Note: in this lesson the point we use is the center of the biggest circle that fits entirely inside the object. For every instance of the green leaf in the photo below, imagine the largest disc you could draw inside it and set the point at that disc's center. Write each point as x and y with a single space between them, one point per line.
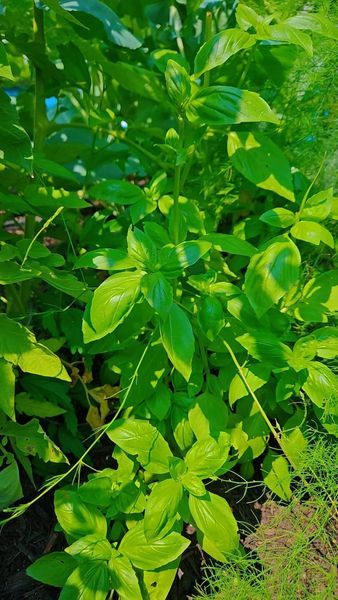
160 402
206 457
319 206
178 340
321 386
208 415
115 31
266 347
141 439
178 83
107 259
151 555
174 259
158 583
115 191
223 105
7 379
76 518
89 581
31 439
36 408
158 293
124 579
320 296
210 317
256 375
10 486
213 517
220 48
276 475
160 515
261 161
141 248
271 273
193 484
315 22
92 547
230 244
52 569
246 17
113 301
278 217
314 233
283 32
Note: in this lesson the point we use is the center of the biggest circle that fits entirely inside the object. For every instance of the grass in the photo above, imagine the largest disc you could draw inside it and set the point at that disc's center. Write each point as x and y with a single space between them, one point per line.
293 550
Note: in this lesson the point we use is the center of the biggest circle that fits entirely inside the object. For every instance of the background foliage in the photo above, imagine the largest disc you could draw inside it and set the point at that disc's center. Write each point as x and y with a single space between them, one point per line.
167 263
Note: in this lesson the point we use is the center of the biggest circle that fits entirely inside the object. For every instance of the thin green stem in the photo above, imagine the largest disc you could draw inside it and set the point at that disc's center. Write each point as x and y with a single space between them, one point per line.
276 435
43 228
307 193
207 36
177 188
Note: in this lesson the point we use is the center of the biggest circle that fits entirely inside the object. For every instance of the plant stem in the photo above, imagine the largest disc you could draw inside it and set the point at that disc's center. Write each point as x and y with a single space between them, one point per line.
207 36
177 188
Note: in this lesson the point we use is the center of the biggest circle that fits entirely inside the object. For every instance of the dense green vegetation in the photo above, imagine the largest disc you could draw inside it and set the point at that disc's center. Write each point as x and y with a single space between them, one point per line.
167 276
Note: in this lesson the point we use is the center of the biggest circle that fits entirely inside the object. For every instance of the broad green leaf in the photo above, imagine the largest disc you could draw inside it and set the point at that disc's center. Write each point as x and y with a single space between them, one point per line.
7 379
42 166
223 105
77 518
115 191
65 282
315 22
319 206
220 48
265 347
158 583
141 248
285 33
10 272
208 415
89 581
52 569
141 439
151 555
61 12
97 491
107 259
230 244
115 31
178 340
91 546
10 486
320 296
193 484
213 517
113 301
31 440
322 387
160 515
312 232
36 408
158 293
256 375
160 402
123 578
278 217
276 475
261 161
210 317
326 341
178 83
148 83
174 259
206 457
271 273
246 17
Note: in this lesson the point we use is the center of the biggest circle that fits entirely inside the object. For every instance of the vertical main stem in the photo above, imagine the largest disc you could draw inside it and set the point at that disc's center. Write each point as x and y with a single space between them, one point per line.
207 36
177 188
39 125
